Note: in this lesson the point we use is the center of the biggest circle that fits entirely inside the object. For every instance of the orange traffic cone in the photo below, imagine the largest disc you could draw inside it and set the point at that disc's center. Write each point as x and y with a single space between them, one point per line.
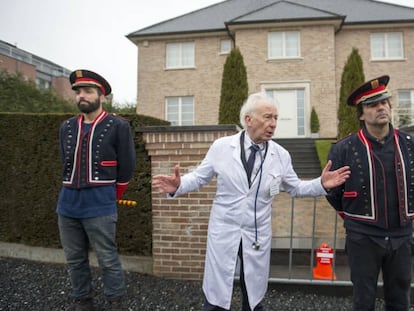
324 258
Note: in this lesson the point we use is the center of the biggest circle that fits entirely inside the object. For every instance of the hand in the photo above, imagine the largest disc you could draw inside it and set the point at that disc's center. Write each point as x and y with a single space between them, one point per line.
332 179
120 189
167 184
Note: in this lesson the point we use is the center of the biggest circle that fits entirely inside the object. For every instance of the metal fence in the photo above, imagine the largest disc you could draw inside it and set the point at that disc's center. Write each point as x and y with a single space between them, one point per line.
300 227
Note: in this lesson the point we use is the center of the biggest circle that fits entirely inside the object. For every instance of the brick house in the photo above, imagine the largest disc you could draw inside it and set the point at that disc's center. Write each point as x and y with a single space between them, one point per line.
295 50
44 73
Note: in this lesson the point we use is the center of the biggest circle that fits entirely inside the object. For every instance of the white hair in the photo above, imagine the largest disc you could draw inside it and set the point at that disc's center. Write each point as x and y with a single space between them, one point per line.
249 107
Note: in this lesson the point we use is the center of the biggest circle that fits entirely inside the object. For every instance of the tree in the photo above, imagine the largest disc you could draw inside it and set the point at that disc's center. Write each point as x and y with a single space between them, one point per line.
314 124
20 95
352 77
234 88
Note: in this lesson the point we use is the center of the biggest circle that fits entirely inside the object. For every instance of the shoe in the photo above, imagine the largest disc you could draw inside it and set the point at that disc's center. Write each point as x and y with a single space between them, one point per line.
83 305
113 305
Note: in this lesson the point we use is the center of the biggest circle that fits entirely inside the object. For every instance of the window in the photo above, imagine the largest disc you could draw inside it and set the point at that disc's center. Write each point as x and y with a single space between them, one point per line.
284 44
180 55
405 108
225 46
387 45
180 110
43 84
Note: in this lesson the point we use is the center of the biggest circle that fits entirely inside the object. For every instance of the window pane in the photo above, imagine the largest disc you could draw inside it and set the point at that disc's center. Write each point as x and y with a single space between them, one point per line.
187 55
292 44
225 46
300 97
172 110
187 110
404 99
173 55
275 45
405 108
394 45
377 46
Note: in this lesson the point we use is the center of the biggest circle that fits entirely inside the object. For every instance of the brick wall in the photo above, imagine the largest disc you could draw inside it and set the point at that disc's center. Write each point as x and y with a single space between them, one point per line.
180 225
13 65
155 82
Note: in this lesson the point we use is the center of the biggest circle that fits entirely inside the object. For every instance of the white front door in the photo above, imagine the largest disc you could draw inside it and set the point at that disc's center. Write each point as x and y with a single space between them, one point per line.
290 122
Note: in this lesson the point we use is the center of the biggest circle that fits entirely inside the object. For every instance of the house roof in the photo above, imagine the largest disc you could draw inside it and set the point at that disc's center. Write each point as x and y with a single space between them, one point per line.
215 17
277 11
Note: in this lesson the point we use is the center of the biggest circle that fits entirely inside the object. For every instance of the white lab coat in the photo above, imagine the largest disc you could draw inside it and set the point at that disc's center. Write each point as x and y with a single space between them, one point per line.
232 215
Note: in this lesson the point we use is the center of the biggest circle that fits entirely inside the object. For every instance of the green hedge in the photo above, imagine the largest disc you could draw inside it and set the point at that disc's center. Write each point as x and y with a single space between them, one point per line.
30 171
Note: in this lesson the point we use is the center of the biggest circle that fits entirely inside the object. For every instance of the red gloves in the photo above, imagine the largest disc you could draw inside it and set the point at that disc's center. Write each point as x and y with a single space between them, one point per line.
120 189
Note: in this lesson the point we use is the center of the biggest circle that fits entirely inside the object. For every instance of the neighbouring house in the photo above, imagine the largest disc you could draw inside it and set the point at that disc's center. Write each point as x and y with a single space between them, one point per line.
44 73
295 50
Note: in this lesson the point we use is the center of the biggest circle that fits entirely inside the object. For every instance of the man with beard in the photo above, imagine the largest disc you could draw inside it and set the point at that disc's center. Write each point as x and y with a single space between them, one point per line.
376 202
98 157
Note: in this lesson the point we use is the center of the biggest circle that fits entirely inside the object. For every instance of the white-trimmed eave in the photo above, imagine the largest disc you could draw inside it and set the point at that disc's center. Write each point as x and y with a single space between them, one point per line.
337 23
178 36
379 25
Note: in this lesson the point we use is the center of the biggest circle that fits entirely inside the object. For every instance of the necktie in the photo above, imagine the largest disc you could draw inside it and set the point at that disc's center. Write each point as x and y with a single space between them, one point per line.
252 157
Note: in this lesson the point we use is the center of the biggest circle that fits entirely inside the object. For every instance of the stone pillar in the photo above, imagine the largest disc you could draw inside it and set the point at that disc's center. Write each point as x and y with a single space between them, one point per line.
180 225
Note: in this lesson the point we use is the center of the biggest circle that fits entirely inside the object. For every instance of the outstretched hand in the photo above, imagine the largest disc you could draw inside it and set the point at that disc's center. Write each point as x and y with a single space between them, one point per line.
166 183
332 179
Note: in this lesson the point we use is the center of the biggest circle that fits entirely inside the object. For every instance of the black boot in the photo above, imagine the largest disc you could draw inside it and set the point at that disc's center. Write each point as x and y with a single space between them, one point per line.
83 304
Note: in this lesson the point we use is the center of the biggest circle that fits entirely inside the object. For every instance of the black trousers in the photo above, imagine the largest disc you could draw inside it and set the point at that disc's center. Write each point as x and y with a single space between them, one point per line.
245 299
366 259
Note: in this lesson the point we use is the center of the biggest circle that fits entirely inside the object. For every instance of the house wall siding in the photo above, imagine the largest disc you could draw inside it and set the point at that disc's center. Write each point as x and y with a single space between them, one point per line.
203 82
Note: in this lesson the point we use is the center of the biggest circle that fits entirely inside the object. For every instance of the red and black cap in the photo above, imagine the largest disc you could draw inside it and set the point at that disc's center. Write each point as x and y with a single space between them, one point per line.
370 92
82 77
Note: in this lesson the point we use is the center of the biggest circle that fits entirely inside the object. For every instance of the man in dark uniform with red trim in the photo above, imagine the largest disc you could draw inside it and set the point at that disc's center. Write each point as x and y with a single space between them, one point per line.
98 157
376 202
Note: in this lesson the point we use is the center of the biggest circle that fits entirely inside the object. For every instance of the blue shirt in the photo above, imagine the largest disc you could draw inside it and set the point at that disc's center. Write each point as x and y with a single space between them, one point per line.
87 202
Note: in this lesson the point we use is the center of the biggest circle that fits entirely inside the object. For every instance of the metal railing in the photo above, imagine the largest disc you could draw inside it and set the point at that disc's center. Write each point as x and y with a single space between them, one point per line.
288 272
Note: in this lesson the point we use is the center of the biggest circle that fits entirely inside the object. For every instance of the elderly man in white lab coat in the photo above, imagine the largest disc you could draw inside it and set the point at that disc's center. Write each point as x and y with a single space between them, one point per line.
240 218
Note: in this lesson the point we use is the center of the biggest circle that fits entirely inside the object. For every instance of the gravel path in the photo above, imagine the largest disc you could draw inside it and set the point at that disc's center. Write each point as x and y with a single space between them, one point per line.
28 285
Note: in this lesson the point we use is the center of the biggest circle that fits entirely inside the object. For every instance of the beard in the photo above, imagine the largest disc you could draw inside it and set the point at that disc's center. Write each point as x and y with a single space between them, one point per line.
87 106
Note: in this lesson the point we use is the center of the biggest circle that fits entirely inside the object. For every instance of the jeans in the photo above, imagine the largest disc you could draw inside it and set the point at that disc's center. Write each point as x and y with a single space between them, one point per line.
76 234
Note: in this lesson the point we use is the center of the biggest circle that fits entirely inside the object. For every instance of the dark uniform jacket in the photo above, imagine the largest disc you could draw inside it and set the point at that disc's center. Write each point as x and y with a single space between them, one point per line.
363 197
104 155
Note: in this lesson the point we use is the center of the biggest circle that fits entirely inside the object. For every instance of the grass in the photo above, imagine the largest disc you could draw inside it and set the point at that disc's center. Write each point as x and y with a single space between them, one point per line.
322 147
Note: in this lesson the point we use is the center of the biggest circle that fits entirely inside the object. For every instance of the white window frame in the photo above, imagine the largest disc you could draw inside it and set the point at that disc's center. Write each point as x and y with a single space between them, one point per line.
387 46
180 55
283 39
183 117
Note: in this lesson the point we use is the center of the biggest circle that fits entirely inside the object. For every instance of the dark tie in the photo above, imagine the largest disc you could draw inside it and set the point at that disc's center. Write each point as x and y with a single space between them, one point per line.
252 157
